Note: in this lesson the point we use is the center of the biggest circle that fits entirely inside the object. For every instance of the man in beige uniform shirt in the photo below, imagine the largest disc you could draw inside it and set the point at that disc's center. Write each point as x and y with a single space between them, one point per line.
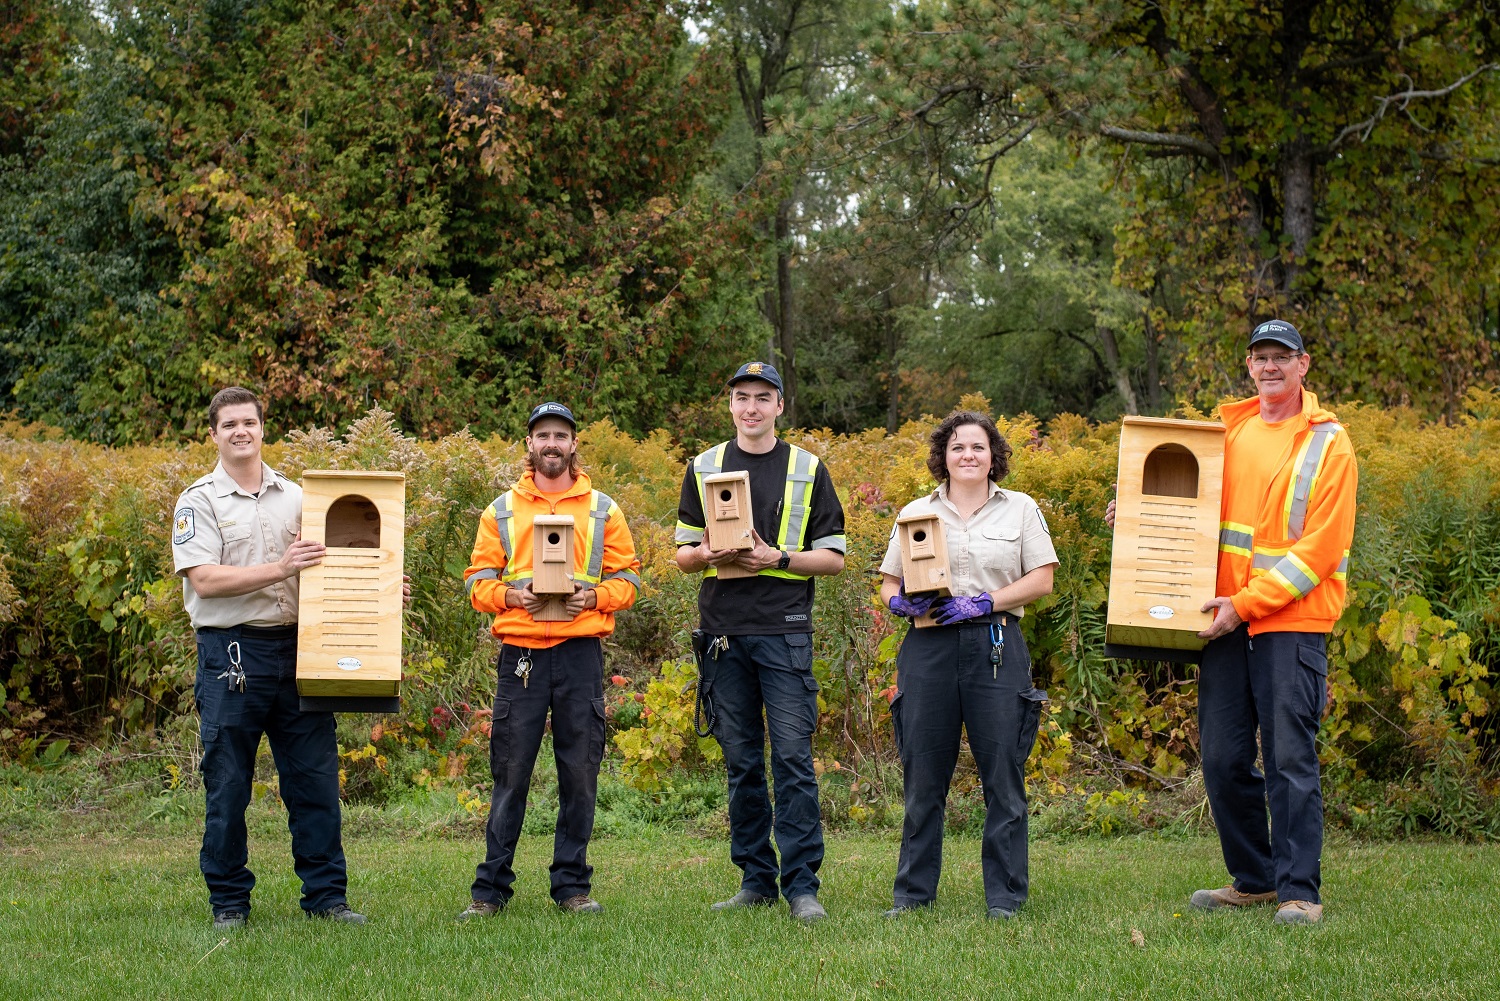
236 543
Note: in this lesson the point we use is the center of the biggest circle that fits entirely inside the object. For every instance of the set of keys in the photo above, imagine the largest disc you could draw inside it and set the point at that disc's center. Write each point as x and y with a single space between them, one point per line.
523 670
235 673
997 648
718 645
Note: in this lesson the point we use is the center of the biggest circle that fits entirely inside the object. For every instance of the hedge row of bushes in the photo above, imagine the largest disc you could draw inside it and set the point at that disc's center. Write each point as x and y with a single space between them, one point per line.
94 641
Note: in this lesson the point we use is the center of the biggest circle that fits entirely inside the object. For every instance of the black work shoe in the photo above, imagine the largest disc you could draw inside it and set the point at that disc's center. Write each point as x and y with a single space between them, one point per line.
901 909
581 904
340 913
225 920
807 909
745 898
1000 914
480 909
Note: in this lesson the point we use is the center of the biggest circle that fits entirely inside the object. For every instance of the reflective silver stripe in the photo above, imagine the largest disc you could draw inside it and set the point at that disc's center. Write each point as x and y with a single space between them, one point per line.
501 508
624 575
1288 570
830 542
599 515
1263 562
486 574
1302 480
1343 568
1235 540
519 581
799 484
686 536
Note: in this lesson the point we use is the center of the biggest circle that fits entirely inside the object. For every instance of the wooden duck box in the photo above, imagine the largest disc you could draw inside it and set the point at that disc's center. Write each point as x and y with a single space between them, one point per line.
726 498
349 616
924 558
552 564
1166 543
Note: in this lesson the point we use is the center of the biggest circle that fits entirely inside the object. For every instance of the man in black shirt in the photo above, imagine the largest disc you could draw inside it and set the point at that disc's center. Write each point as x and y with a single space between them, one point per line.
760 625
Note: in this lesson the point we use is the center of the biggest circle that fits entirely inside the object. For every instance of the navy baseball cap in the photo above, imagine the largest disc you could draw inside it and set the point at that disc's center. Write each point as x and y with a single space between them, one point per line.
551 410
1280 331
764 371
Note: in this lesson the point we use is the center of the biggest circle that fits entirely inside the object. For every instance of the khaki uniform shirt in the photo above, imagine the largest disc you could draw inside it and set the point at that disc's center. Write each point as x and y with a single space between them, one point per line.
1002 542
218 523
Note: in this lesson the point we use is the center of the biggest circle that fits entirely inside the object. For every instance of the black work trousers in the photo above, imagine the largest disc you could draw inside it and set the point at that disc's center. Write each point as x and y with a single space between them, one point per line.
1275 683
946 683
568 681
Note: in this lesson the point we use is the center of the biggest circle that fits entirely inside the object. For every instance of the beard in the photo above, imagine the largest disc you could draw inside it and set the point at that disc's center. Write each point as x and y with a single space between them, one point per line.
550 461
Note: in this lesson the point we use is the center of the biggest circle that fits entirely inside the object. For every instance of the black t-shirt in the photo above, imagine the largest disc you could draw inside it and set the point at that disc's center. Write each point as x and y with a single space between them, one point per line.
762 605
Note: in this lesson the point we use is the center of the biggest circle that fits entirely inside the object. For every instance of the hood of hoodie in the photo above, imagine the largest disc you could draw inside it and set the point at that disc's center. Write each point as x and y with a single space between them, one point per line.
1239 411
527 485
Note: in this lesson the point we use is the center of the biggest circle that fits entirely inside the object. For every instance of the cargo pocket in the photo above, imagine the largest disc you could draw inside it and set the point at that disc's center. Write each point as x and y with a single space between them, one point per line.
1031 717
896 710
500 739
799 645
1316 661
596 733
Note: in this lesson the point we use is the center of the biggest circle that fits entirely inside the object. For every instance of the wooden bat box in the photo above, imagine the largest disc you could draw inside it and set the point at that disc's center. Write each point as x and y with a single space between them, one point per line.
1166 544
349 617
924 558
552 564
726 498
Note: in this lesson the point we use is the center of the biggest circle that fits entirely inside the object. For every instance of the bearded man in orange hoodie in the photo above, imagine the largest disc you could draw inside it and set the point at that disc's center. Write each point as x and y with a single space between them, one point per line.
1286 523
548 665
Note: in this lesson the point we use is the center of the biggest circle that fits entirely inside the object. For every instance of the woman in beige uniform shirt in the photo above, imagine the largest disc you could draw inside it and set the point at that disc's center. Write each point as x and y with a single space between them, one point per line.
972 670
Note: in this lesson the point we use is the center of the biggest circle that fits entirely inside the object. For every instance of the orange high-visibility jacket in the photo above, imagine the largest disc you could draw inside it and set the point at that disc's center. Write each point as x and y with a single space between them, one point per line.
603 558
1284 557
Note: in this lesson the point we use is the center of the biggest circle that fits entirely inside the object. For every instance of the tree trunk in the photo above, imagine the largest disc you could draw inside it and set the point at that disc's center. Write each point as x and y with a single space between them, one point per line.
893 367
786 333
1116 370
1296 205
1153 368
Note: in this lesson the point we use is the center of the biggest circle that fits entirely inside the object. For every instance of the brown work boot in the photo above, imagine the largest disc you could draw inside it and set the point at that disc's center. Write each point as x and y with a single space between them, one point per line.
581 904
480 909
1298 912
1228 896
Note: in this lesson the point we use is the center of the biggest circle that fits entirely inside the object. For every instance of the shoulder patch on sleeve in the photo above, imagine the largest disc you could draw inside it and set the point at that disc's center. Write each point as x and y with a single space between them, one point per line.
184 526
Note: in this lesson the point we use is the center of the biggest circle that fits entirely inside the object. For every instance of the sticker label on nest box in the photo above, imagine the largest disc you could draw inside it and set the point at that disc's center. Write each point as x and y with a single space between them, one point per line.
1155 611
353 664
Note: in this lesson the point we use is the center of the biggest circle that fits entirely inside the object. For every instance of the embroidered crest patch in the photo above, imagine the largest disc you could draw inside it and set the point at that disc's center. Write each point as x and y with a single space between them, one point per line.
183 527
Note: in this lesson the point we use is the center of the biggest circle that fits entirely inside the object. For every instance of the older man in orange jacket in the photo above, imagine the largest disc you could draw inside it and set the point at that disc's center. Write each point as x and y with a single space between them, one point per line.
556 665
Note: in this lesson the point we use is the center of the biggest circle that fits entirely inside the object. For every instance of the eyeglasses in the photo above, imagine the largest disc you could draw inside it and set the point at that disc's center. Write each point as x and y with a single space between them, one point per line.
1280 360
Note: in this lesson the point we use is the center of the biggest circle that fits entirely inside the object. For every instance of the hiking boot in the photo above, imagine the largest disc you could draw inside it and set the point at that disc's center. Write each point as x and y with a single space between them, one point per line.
480 909
1228 896
225 920
340 913
806 908
1298 912
581 904
745 898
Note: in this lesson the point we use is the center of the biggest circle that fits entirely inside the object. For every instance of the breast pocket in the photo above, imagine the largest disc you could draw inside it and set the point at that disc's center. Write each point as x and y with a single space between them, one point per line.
235 541
1001 550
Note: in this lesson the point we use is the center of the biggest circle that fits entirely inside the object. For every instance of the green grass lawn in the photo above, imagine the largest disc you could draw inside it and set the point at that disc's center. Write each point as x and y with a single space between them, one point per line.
94 914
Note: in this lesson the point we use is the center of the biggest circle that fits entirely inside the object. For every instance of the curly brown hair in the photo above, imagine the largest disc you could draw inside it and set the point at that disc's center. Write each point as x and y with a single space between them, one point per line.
937 453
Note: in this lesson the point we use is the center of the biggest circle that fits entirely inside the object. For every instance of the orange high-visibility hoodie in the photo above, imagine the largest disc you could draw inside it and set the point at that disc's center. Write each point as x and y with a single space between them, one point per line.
1284 553
493 569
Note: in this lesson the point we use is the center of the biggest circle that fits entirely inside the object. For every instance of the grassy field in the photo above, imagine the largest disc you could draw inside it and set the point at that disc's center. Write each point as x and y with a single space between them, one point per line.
94 914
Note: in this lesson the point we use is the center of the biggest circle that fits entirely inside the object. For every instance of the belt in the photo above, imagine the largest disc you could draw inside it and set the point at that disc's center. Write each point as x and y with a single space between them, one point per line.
259 632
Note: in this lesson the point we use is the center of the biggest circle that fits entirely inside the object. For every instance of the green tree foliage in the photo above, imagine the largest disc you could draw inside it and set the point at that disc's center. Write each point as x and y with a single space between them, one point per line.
455 208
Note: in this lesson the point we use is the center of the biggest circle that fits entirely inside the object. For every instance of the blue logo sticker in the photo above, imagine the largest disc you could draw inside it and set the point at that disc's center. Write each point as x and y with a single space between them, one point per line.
184 526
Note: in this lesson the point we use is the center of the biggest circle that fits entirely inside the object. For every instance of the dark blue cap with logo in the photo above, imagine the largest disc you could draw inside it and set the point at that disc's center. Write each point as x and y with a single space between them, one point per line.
764 371
1279 331
551 410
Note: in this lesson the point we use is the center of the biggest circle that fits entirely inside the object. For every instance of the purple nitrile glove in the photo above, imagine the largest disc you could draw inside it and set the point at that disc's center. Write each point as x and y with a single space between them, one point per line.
905 604
946 611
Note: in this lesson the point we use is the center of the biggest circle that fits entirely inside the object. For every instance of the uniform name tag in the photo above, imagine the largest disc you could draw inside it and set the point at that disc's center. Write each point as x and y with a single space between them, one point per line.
184 526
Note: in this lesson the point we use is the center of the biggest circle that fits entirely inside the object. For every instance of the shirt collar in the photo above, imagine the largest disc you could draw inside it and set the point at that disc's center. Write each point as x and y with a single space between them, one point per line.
941 494
224 483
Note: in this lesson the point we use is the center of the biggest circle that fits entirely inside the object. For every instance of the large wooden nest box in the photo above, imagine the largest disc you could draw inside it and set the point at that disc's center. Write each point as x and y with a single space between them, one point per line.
726 498
924 558
1166 545
552 564
349 617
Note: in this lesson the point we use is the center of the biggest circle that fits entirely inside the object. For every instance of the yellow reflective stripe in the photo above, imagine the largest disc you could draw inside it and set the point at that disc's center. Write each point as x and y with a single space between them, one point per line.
1285 519
594 540
1342 573
1305 478
1294 575
1234 538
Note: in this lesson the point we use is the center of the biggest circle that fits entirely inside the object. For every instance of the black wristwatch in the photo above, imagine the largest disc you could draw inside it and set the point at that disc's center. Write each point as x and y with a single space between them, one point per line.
784 562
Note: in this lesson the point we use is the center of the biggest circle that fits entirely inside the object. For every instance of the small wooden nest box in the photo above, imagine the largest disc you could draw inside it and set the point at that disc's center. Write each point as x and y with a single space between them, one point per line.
1166 545
349 616
726 498
924 558
552 564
